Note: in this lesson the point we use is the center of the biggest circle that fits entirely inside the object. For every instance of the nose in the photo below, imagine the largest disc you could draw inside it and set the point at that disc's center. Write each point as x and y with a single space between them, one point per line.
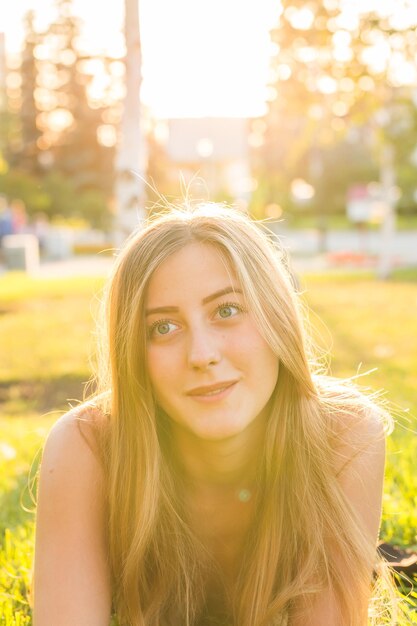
203 349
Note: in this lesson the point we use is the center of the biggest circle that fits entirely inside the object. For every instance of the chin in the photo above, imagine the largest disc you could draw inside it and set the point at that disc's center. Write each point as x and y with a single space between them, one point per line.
218 432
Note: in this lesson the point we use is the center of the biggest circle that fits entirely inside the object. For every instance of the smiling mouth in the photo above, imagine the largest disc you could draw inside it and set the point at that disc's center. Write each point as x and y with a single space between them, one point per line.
211 390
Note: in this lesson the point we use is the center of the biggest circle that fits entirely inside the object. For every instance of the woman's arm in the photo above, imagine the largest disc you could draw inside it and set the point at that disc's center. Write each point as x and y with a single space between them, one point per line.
360 472
71 573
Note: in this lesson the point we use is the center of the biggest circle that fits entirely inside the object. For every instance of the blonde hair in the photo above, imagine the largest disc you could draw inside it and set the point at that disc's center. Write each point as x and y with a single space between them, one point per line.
302 518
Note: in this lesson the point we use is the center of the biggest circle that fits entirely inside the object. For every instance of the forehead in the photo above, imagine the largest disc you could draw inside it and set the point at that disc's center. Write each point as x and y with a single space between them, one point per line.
197 269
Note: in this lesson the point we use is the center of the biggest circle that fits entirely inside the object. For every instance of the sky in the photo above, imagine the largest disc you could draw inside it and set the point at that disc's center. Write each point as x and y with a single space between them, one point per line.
200 57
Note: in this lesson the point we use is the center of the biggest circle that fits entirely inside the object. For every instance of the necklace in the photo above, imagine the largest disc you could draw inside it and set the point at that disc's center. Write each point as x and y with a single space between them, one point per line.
243 495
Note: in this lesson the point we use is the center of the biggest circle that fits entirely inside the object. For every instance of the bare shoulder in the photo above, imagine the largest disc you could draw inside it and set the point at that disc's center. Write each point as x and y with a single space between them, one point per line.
72 474
360 464
71 574
358 428
72 445
87 414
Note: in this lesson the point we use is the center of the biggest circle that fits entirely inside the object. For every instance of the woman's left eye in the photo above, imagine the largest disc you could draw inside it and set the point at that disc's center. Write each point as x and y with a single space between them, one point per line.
228 310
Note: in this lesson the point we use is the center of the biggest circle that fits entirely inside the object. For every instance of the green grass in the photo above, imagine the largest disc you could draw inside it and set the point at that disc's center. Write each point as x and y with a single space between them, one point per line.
46 334
369 325
339 221
21 441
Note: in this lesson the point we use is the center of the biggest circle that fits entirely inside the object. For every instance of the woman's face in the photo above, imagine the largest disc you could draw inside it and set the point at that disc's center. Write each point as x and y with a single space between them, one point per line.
211 370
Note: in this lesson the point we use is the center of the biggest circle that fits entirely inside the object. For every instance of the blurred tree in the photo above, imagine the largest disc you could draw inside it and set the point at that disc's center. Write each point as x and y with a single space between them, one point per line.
27 155
397 124
7 121
398 128
58 138
56 195
15 183
70 124
334 72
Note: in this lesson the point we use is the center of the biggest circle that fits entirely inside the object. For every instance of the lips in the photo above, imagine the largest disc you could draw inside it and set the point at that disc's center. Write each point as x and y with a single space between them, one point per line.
211 390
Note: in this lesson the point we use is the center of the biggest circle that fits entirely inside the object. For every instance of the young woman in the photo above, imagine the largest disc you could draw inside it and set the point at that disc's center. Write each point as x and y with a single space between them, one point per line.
216 478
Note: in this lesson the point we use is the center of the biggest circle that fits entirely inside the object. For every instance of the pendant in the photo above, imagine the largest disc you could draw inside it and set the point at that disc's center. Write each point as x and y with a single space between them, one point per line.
244 495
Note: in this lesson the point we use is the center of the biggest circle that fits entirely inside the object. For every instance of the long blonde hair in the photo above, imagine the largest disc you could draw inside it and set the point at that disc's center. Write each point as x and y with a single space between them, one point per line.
302 518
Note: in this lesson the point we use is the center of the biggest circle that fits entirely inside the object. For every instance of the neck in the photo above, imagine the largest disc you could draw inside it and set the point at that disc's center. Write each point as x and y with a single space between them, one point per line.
226 463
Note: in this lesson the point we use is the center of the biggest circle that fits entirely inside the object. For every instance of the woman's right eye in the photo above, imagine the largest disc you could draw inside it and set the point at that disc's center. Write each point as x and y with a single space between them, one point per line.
161 328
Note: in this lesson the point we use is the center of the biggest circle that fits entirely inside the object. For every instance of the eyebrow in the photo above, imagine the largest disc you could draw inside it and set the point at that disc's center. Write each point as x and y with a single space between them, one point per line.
206 300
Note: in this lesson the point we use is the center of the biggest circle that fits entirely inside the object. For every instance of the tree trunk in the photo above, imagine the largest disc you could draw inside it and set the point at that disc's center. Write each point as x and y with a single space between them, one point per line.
132 153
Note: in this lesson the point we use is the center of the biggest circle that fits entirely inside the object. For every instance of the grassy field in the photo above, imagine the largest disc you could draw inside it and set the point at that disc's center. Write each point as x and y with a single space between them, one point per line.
46 336
372 326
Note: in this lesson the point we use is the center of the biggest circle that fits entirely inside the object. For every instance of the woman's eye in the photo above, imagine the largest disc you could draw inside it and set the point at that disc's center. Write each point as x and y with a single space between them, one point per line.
228 310
160 329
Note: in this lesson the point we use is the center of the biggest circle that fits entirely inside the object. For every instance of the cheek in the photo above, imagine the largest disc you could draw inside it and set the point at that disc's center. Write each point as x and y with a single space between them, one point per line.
156 367
254 348
163 368
262 361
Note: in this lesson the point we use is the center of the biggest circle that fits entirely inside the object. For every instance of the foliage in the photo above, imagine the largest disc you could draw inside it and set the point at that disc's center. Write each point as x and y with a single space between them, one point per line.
9 132
18 184
402 132
57 195
28 151
56 158
336 92
68 123
341 163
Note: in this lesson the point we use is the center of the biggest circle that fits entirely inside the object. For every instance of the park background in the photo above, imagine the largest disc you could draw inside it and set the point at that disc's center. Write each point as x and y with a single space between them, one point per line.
302 113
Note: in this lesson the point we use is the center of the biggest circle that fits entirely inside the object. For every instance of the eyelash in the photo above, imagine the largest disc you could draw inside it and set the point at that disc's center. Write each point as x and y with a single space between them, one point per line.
155 324
223 305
